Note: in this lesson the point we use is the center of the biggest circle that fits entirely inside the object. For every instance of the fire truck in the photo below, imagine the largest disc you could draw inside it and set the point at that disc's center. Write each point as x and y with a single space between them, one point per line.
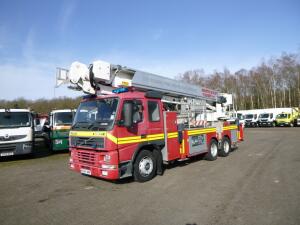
132 122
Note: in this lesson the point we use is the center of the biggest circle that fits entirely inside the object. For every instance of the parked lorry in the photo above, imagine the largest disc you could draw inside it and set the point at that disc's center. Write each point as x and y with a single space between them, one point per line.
266 120
131 122
16 132
58 129
288 118
251 120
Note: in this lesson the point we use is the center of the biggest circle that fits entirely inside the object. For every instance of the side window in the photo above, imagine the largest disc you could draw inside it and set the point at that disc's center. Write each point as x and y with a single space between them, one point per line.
138 112
153 111
271 115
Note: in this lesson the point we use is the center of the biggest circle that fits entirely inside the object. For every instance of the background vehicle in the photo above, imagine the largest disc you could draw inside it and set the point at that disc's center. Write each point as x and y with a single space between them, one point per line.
131 131
266 120
16 132
251 120
58 129
288 118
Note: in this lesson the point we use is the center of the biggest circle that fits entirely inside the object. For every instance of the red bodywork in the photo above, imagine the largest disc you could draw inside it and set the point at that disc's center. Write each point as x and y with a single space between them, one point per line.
121 145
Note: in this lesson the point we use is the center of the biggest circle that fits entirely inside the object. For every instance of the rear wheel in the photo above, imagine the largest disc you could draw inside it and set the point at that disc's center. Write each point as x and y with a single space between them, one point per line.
144 166
212 153
225 148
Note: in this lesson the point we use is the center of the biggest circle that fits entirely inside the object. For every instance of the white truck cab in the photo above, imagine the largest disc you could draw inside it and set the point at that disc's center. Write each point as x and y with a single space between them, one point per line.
16 132
251 119
266 120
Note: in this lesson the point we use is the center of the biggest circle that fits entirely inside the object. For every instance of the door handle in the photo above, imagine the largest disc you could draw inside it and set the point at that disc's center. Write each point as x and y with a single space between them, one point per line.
143 135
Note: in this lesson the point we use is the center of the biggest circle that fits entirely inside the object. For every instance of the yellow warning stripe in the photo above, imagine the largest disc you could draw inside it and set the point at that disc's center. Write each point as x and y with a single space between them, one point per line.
138 139
202 131
182 149
233 127
88 133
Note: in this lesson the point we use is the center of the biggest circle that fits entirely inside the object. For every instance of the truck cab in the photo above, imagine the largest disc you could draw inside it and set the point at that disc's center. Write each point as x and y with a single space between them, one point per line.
58 129
16 132
266 120
251 120
286 119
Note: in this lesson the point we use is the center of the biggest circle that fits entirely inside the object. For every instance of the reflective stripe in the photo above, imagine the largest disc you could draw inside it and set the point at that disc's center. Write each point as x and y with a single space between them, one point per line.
173 135
182 149
230 127
138 139
88 133
202 131
112 138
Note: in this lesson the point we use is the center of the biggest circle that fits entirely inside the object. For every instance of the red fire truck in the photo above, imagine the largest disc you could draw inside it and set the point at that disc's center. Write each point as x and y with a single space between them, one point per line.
132 122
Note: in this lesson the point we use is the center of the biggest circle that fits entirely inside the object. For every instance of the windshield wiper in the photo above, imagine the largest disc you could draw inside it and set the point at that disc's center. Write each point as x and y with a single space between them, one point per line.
98 123
76 124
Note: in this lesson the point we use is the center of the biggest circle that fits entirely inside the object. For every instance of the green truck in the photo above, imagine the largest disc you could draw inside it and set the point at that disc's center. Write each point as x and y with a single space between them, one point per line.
58 128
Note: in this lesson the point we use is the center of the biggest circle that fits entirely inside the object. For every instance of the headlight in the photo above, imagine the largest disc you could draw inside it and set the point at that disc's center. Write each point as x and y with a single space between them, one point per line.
27 145
106 158
111 167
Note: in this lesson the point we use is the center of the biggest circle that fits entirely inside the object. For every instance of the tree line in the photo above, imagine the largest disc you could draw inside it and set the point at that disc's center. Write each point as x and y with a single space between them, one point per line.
273 83
42 105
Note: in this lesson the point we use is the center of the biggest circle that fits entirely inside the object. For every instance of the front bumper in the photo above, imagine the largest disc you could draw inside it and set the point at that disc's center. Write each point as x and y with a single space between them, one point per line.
18 148
92 163
283 124
265 124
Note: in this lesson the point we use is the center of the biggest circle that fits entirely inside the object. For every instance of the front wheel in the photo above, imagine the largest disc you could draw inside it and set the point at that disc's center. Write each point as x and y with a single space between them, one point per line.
212 153
144 166
225 148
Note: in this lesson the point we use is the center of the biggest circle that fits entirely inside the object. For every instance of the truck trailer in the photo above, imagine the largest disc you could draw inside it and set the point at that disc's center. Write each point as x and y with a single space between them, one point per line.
132 122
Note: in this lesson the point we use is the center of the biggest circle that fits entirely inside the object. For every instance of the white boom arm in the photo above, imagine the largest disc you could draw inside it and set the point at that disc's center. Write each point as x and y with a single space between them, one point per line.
101 77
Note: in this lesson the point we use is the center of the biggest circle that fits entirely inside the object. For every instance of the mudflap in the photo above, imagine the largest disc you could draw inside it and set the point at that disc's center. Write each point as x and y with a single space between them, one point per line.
159 163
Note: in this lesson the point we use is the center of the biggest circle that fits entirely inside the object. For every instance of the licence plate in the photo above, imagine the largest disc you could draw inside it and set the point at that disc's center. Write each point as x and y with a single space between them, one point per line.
85 171
6 154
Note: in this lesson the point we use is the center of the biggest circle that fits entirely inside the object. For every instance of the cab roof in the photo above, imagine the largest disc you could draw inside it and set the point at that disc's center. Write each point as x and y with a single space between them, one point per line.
15 110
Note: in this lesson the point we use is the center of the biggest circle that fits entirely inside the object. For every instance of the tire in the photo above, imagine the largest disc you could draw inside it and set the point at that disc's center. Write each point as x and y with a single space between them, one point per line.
212 153
291 124
144 168
225 148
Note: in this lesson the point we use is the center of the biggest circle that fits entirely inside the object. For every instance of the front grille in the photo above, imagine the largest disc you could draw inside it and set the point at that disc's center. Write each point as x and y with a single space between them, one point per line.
7 147
88 158
89 142
12 137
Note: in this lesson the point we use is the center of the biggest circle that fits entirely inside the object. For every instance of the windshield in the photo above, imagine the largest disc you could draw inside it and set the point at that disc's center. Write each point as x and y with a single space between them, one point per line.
14 119
240 116
249 116
96 115
264 115
63 118
282 116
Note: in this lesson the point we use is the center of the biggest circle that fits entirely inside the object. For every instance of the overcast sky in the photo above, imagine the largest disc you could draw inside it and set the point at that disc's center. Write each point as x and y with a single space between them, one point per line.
163 37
